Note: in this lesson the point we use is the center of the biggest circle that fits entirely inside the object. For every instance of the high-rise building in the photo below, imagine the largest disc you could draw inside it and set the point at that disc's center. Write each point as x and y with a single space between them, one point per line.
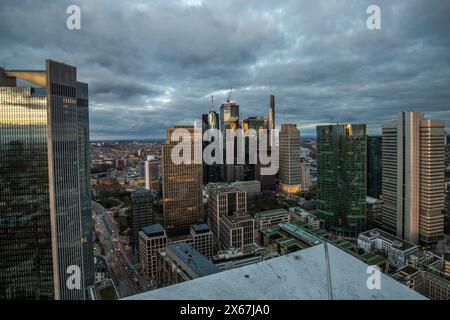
374 167
413 177
224 201
271 118
306 176
211 173
182 186
229 120
251 171
141 214
152 174
45 197
289 173
152 238
341 177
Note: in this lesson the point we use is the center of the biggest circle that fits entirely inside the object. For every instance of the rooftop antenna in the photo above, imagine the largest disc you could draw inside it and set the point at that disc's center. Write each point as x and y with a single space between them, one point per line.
229 96
270 89
212 103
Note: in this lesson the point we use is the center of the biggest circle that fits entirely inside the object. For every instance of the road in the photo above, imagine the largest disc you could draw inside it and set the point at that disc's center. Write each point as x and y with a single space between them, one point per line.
117 253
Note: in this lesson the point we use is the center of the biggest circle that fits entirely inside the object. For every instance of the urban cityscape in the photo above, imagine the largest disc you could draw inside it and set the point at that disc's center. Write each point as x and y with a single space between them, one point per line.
228 199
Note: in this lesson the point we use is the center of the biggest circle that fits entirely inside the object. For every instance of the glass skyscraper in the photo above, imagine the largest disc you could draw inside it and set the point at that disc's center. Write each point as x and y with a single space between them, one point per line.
341 177
45 197
374 167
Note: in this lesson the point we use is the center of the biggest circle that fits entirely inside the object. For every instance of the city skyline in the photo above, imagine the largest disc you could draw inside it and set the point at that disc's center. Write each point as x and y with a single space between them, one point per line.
324 66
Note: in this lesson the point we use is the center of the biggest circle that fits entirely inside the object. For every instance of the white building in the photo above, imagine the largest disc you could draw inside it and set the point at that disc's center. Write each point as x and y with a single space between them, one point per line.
395 249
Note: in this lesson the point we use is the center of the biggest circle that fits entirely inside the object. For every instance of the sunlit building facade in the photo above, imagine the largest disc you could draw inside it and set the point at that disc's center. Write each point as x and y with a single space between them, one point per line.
290 161
413 177
181 185
45 197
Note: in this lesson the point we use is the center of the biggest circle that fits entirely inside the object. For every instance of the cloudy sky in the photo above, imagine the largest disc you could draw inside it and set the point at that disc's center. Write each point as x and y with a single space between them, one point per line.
152 64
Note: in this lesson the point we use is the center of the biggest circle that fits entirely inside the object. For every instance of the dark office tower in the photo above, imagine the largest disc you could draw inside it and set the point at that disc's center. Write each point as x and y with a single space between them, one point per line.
374 167
211 173
271 118
182 188
341 177
229 120
251 171
141 215
45 198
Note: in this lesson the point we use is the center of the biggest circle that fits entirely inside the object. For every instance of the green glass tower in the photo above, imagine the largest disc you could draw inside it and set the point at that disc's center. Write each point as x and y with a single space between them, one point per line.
374 167
341 177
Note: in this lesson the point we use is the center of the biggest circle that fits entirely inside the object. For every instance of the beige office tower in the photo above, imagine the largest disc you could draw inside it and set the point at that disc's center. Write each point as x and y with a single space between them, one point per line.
290 175
413 177
182 184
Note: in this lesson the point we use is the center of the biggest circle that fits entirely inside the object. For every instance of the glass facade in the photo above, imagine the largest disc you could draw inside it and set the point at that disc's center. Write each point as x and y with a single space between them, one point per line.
45 198
341 177
374 167
25 234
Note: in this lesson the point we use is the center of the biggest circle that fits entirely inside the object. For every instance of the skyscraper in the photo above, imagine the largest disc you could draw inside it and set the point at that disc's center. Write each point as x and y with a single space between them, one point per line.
374 167
290 162
152 174
341 177
413 177
229 120
182 187
45 197
210 120
225 201
141 214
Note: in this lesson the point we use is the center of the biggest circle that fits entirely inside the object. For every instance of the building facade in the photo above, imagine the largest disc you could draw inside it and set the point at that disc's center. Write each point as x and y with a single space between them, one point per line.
413 177
180 262
374 167
224 201
45 197
290 162
152 238
182 185
141 214
341 177
152 174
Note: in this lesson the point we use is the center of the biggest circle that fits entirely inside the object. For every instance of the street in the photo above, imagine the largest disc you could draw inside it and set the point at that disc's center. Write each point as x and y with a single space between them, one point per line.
123 267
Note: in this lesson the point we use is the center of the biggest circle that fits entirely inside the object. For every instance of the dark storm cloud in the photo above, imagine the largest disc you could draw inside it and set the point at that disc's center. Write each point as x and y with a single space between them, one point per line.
153 64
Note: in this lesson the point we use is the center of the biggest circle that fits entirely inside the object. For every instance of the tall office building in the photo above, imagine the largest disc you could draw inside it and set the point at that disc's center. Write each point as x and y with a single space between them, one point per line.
141 214
374 167
289 173
152 174
413 177
225 201
341 177
182 187
229 120
251 171
45 197
211 173
271 118
306 176
152 238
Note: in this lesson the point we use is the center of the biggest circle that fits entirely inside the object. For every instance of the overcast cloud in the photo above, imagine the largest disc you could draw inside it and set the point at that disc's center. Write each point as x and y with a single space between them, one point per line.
153 64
